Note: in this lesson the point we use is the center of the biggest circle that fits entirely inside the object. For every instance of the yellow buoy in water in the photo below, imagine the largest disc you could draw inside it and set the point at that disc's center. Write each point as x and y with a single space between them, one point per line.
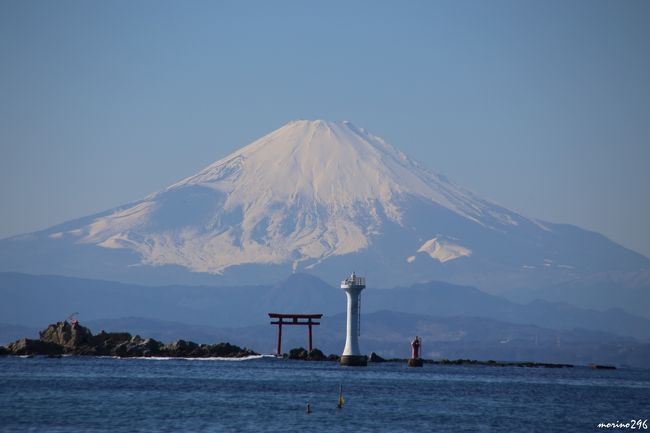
341 399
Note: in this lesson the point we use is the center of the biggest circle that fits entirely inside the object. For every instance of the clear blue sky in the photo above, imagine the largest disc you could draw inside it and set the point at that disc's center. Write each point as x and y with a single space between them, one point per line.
543 106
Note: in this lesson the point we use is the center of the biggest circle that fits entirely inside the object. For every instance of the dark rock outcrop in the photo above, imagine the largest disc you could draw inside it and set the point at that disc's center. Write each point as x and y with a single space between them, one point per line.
492 363
302 354
105 343
67 335
375 358
74 339
298 353
601 367
28 346
189 349
226 350
182 348
4 351
317 355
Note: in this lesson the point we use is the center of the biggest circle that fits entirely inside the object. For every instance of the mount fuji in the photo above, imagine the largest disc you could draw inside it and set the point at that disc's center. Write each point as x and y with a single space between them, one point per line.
323 198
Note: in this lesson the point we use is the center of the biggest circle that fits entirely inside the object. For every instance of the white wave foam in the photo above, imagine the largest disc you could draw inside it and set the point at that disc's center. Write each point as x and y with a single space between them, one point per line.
215 358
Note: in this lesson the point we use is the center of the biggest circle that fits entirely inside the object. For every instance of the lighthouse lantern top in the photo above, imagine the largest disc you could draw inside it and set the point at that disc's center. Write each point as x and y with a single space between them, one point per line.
353 280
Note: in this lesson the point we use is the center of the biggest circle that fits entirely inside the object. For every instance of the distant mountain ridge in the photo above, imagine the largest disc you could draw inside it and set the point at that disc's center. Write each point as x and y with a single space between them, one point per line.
323 198
32 300
630 291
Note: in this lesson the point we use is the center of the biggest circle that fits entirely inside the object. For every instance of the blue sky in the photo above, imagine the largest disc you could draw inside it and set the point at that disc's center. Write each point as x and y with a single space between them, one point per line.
541 106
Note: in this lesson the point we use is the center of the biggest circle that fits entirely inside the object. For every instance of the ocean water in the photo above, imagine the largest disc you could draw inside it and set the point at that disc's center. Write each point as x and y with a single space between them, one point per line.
74 394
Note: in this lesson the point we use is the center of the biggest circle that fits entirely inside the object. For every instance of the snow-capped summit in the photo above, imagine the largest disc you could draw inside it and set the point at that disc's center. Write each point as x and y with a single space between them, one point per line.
334 164
318 196
303 193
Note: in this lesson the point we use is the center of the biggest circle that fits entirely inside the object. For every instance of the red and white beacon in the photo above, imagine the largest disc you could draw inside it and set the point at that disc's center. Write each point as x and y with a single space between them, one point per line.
415 360
415 347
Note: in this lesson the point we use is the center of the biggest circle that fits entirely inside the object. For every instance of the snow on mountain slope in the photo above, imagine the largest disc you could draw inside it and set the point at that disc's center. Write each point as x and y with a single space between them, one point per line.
442 250
319 197
307 191
336 165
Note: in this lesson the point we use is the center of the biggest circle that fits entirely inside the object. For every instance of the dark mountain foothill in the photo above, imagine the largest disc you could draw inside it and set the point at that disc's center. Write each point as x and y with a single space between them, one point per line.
75 339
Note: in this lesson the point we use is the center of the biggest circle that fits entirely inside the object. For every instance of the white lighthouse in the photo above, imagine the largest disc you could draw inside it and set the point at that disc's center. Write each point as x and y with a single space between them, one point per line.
352 356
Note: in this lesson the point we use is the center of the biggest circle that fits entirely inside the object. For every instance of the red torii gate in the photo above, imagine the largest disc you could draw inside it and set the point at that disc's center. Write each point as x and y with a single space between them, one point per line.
293 319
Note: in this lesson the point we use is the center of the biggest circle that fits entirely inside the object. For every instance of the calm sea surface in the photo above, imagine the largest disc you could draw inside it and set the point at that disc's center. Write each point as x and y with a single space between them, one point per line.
137 395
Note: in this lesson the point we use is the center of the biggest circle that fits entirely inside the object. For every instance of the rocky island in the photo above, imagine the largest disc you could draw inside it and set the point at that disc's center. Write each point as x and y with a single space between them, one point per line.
64 338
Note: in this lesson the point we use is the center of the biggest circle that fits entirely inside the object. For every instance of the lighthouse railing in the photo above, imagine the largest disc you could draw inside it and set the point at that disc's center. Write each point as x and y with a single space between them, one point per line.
354 281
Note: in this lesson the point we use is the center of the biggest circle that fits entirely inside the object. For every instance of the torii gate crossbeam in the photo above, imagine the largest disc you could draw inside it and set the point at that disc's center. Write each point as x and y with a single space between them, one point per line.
294 319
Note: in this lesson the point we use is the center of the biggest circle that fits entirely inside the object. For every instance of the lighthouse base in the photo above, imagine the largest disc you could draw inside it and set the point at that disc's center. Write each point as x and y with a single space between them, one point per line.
354 360
415 362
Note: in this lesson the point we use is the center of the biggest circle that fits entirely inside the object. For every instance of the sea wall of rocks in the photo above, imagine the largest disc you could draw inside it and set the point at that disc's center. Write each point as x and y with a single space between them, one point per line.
64 338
